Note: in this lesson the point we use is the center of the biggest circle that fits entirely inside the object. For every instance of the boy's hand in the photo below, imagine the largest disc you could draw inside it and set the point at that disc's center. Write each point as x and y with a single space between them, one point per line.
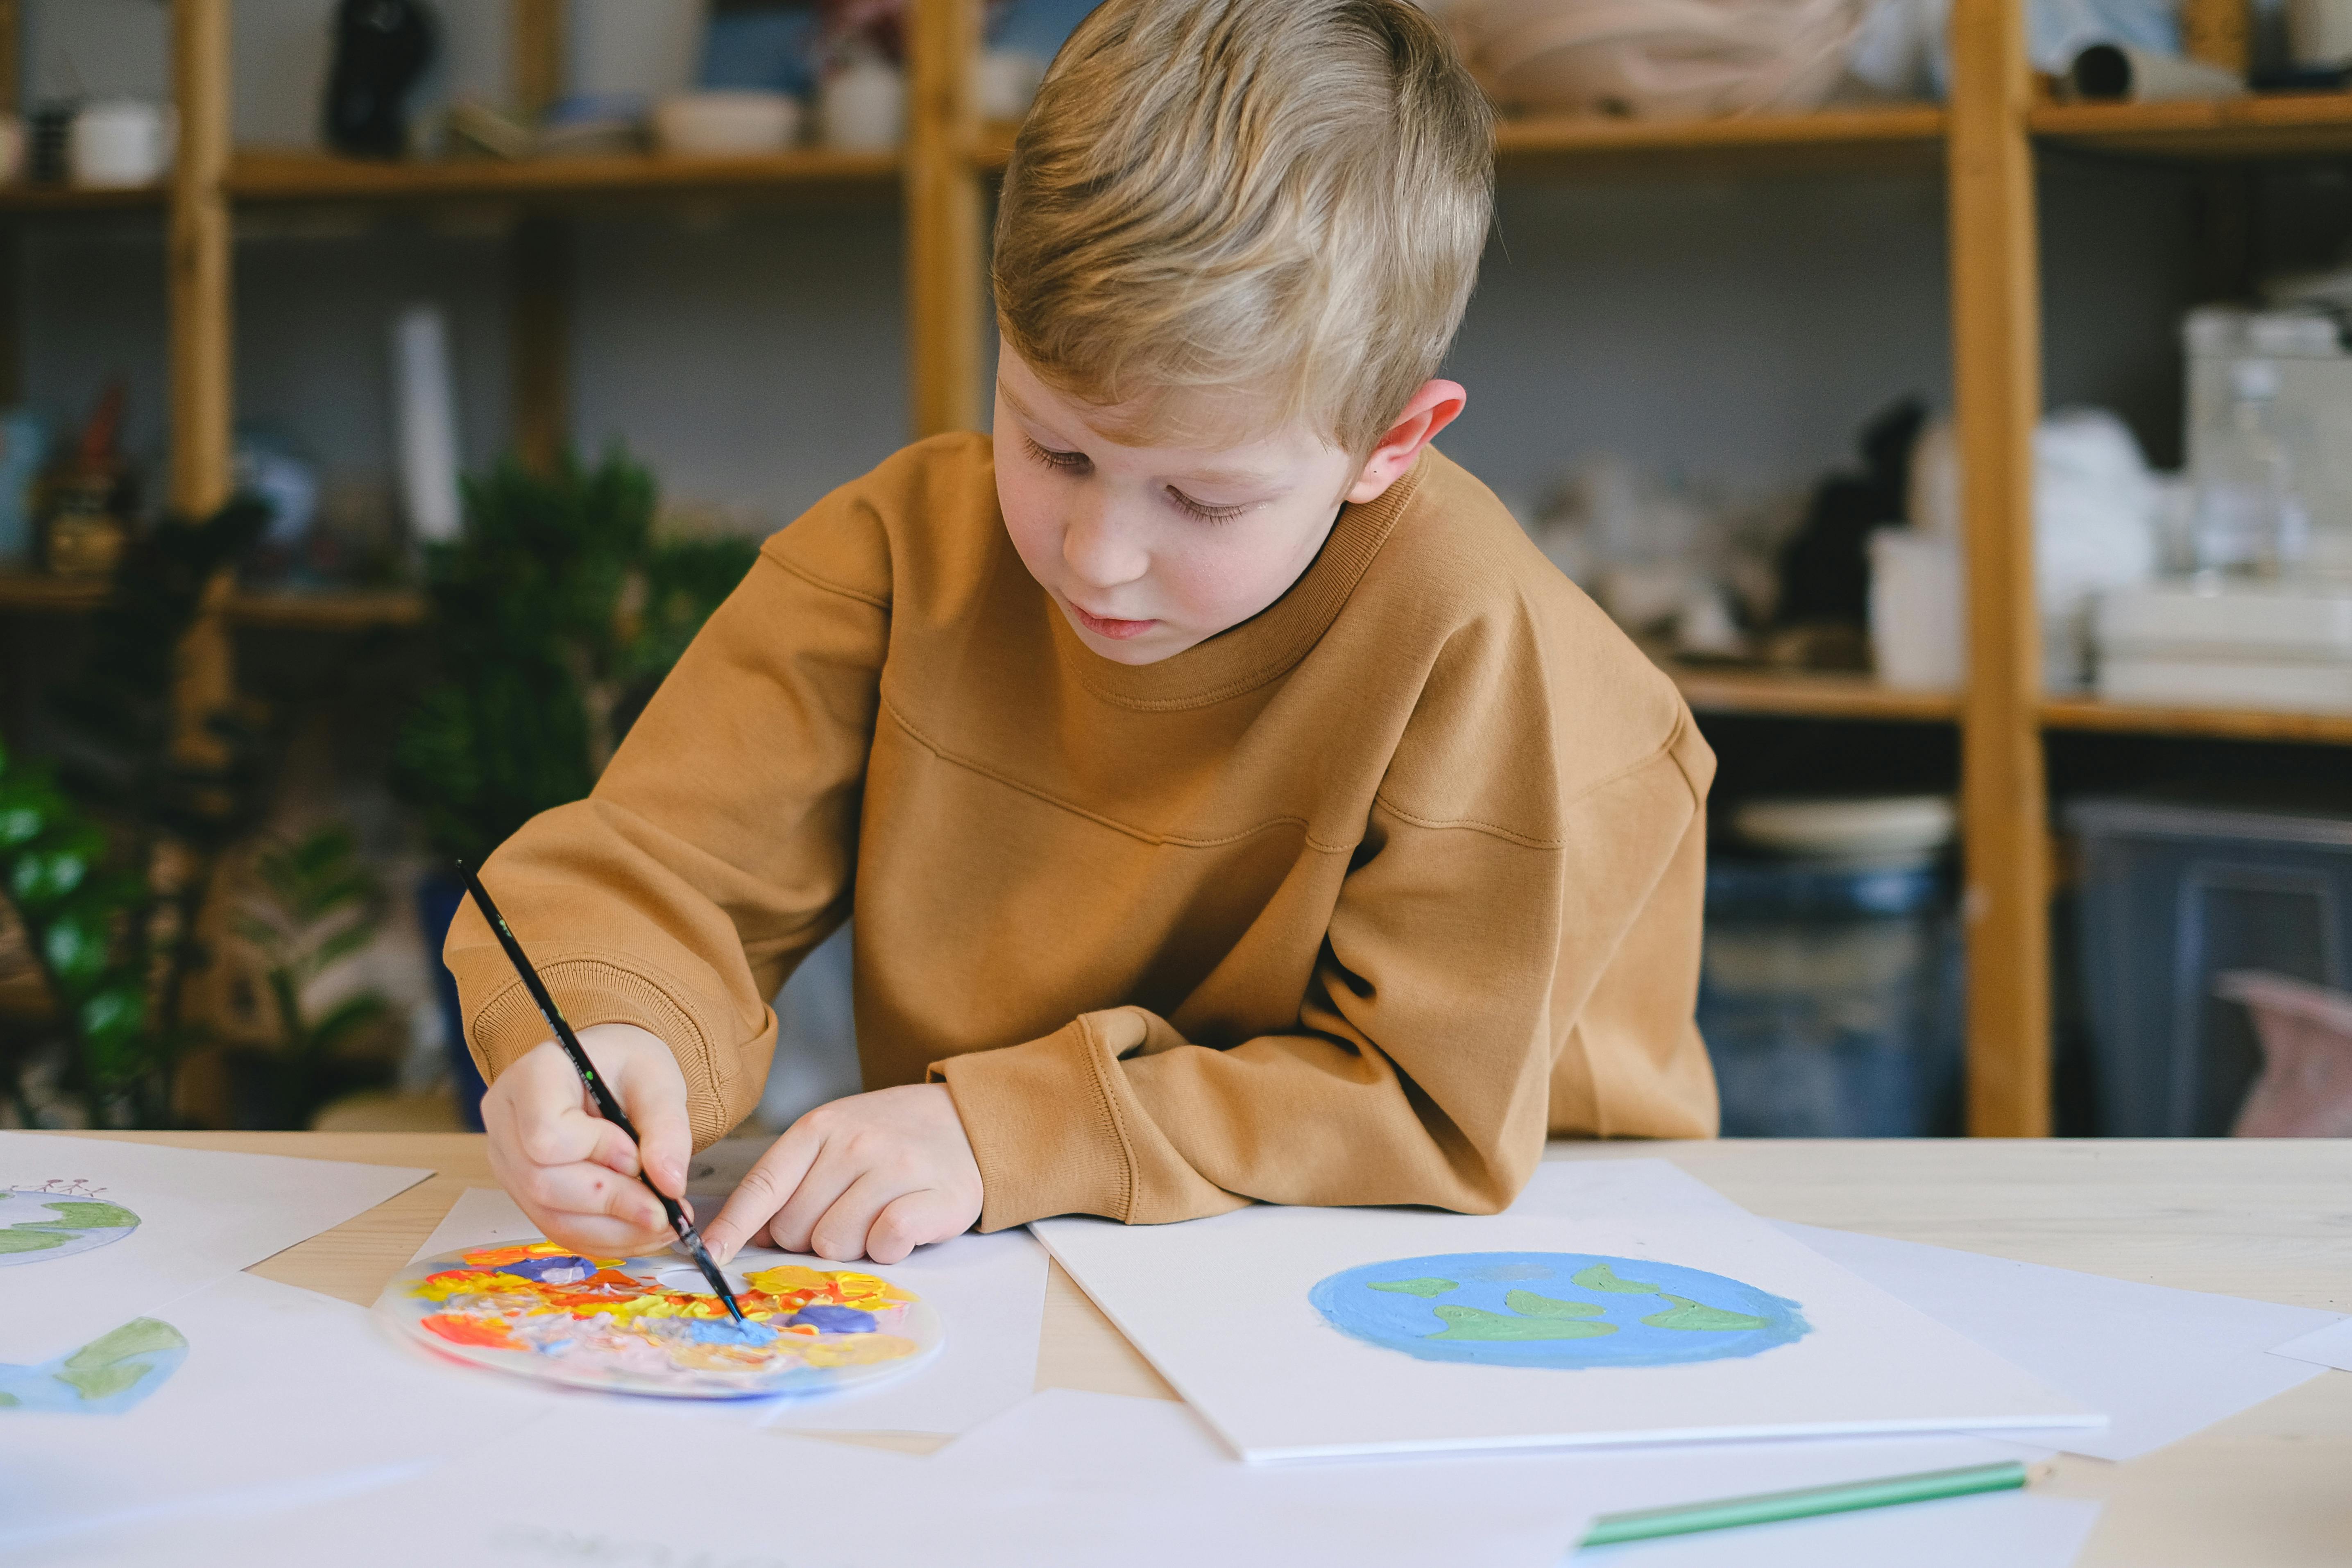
575 1174
874 1175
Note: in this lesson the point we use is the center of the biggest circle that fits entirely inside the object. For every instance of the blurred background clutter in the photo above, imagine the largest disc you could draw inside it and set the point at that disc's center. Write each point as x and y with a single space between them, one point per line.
1994 513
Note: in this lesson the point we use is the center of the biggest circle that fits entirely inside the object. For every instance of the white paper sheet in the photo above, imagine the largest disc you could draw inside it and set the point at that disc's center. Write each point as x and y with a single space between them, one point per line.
1221 1307
2014 1530
593 1489
201 1216
988 1290
283 1392
2329 1346
1064 1481
2162 1362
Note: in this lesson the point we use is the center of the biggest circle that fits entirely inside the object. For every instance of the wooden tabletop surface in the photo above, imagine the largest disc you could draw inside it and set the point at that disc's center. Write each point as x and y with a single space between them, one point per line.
2271 1220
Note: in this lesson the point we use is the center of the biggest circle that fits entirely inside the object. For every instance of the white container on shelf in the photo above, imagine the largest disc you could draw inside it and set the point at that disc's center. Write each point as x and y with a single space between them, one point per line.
1918 604
2226 643
121 143
862 107
726 124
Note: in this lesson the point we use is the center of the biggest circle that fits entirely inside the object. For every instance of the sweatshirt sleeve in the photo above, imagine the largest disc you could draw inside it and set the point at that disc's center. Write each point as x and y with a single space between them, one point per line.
1467 970
716 850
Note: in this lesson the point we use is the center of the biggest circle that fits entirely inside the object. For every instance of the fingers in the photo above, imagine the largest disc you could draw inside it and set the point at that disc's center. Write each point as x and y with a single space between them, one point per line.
840 1232
834 1172
652 1094
771 1180
913 1220
545 1117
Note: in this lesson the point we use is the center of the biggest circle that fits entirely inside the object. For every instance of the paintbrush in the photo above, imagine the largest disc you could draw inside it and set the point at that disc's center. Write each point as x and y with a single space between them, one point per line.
606 1105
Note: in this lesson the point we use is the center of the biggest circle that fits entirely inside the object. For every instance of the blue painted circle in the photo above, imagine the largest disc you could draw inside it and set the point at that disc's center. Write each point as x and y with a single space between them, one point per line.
1480 1285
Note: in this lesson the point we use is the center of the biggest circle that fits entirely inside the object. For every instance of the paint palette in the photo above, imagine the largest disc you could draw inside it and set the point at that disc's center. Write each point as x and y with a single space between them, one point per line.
651 1325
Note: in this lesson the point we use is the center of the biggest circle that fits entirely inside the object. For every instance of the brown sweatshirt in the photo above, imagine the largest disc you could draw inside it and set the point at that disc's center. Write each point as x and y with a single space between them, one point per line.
1350 904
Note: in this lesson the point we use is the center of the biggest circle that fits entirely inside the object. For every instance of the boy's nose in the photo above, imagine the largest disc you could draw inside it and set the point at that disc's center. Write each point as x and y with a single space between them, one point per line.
1100 554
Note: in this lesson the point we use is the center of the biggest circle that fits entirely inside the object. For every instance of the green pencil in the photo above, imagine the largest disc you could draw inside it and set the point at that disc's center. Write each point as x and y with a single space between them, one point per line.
1807 1503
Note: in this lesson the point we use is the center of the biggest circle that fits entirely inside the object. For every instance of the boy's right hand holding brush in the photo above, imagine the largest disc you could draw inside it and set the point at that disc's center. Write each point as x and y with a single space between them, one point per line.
875 1175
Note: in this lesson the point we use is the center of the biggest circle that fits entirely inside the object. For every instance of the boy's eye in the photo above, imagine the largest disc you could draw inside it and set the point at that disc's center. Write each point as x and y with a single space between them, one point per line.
1199 510
1068 461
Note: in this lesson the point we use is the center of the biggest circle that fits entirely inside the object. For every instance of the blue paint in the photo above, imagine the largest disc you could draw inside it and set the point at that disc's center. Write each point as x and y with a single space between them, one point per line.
834 1319
1401 1322
722 1331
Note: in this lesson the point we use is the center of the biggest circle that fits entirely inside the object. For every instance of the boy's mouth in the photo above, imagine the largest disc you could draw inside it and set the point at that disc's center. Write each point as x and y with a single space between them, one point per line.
1104 627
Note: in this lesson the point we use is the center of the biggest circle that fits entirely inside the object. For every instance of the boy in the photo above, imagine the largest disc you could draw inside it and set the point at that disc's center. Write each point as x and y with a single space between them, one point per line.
1230 802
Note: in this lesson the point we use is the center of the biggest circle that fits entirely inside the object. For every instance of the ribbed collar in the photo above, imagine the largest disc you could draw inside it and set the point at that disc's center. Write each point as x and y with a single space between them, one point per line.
1266 647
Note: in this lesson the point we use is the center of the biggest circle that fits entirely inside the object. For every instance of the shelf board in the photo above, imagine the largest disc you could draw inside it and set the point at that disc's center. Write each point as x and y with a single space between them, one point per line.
2210 723
1898 135
2277 125
1806 694
1908 135
30 593
23 198
262 176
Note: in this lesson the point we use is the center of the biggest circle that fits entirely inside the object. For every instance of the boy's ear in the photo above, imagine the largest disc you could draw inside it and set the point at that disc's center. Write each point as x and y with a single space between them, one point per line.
1437 404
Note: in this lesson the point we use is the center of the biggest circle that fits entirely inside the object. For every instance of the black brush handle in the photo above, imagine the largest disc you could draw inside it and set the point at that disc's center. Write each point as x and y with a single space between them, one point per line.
606 1105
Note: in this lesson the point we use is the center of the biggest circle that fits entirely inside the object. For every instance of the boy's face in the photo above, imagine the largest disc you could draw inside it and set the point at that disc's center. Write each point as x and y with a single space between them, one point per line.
1150 550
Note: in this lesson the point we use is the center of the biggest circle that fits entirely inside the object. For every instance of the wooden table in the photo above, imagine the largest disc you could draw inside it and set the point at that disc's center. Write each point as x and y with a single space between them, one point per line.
2270 1220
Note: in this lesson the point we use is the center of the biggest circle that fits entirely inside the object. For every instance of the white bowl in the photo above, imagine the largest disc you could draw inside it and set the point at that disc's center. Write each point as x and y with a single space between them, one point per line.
1854 828
726 124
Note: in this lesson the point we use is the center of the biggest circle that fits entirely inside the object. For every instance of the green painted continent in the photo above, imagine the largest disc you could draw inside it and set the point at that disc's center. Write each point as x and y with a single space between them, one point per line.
104 1365
1422 1286
85 1215
31 1238
1600 1277
1529 1304
1471 1323
1688 1314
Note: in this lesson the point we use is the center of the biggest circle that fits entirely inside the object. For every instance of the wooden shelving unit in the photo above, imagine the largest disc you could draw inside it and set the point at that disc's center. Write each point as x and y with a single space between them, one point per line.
1808 694
1981 145
2287 125
264 176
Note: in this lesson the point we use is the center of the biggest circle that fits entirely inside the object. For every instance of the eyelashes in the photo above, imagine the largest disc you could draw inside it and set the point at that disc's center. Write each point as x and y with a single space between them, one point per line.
1075 462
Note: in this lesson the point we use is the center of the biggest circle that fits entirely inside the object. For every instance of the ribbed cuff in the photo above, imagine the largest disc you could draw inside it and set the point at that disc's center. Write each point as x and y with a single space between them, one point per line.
1044 1124
591 991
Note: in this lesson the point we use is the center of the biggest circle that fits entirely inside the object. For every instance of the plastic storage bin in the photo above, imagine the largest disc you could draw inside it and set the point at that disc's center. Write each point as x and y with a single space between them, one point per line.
1829 998
2173 897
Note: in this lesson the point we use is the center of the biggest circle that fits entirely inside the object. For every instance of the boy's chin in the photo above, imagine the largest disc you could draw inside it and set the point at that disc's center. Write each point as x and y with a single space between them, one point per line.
1161 642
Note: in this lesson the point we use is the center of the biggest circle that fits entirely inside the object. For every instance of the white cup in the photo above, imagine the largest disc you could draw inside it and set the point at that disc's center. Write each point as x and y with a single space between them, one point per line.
862 107
121 142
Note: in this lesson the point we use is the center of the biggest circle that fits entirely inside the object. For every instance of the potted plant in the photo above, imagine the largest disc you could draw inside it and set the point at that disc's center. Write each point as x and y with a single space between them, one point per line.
555 614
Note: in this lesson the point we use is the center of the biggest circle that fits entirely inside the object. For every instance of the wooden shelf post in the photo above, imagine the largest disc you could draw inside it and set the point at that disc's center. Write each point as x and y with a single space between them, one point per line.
1997 395
944 249
203 373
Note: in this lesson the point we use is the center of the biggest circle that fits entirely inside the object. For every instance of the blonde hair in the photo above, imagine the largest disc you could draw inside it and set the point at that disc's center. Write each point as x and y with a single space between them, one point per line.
1285 198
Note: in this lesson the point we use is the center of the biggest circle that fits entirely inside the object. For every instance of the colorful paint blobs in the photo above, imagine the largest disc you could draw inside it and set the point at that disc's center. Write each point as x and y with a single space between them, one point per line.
57 1219
610 1323
1590 1311
105 1377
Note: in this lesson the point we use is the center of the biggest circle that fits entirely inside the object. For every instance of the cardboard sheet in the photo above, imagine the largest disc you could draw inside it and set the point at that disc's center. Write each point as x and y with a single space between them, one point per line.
200 1216
2162 1364
1765 1337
